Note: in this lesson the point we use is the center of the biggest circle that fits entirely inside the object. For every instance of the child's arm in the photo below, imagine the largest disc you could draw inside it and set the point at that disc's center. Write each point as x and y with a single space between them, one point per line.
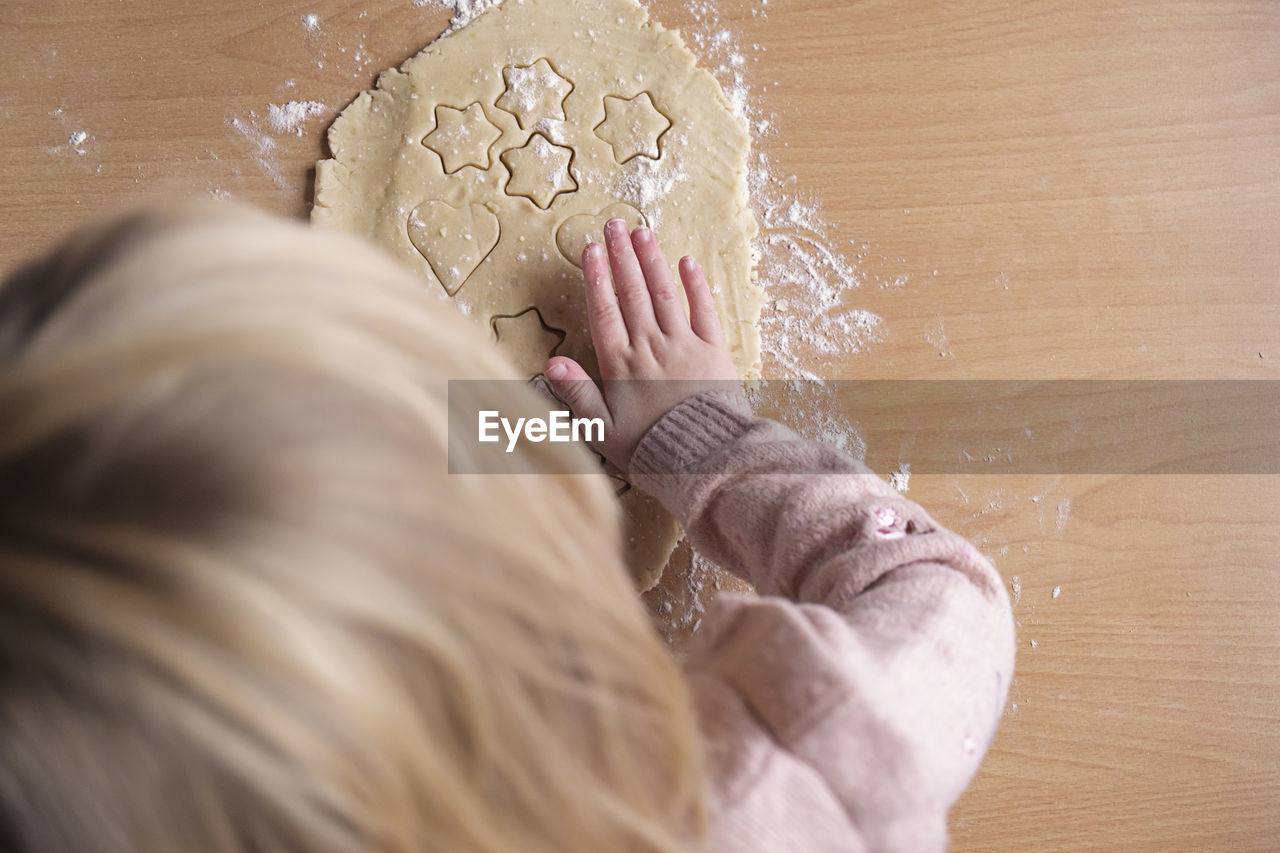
881 652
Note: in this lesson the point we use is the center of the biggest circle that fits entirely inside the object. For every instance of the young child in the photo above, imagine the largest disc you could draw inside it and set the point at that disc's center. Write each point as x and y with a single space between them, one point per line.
244 607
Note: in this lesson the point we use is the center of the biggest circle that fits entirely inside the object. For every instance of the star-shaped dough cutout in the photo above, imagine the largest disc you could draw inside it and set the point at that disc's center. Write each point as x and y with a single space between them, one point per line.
534 92
462 137
632 126
527 340
539 170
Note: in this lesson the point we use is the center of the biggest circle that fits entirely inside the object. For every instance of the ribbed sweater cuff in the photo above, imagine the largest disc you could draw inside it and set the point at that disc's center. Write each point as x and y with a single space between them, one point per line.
674 447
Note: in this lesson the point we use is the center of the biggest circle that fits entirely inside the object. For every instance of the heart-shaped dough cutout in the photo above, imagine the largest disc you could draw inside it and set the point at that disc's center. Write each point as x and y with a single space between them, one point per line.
575 232
454 240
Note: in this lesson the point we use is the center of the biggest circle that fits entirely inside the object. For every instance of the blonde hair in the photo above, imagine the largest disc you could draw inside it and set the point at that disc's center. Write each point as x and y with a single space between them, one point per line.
243 605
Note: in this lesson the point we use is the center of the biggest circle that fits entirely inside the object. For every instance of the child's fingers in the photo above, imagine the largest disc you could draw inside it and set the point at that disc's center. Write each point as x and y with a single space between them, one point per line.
702 308
608 331
628 280
571 384
662 289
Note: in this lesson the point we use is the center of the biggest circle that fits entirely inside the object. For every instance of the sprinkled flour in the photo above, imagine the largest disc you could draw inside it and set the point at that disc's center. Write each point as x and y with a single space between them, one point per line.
901 478
261 147
78 141
526 84
259 131
642 182
810 408
683 611
808 321
291 116
464 11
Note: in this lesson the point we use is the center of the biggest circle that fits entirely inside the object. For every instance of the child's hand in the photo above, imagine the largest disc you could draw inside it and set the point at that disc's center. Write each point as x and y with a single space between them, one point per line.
651 356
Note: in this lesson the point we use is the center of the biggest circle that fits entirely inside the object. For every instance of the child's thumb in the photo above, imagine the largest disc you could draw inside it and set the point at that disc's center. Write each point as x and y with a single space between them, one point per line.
572 384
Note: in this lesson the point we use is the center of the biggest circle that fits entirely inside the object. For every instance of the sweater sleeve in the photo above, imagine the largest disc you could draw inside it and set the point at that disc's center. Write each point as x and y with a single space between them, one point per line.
881 649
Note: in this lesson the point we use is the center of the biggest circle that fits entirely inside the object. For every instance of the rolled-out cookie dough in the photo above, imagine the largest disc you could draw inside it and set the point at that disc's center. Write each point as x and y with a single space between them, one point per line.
488 160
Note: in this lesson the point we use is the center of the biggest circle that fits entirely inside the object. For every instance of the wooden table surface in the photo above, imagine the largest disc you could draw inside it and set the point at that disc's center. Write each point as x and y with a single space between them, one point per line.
1096 184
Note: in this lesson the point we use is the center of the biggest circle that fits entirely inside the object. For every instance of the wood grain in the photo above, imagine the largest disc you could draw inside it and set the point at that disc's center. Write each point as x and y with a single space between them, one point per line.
1060 189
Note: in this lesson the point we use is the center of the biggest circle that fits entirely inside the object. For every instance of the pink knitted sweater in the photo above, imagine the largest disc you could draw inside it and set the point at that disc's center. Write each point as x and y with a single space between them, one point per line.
848 706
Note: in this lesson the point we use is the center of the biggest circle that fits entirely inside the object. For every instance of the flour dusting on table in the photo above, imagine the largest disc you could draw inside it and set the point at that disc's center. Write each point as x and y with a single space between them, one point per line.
262 147
463 11
77 141
291 116
901 479
260 132
809 320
